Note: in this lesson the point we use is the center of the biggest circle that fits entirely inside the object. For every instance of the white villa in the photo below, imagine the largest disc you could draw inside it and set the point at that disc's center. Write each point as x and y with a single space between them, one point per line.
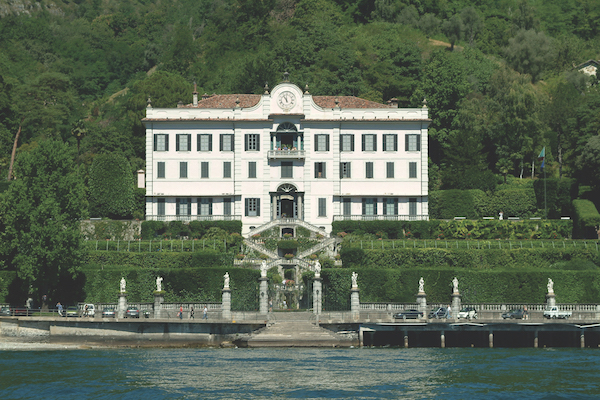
286 155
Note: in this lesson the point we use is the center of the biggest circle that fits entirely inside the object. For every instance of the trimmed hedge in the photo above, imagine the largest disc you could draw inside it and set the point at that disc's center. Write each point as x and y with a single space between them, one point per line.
559 193
460 229
447 204
195 229
164 260
587 220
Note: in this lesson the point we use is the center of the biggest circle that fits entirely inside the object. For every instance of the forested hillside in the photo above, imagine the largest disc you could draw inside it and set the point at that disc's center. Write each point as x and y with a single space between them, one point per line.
497 75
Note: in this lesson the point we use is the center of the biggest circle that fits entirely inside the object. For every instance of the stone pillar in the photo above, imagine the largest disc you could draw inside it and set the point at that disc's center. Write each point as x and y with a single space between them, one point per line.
317 295
442 340
550 300
582 339
422 303
456 304
354 303
159 299
535 340
226 304
122 305
405 339
491 340
264 295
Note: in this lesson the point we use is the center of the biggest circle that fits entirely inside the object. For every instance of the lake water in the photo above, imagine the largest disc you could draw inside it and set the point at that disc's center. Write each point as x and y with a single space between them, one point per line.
367 373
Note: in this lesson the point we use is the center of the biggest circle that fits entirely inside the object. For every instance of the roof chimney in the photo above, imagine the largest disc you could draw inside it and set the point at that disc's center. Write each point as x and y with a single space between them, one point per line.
195 96
393 102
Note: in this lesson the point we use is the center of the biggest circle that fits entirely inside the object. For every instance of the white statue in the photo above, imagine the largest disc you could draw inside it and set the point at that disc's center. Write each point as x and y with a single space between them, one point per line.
159 280
354 279
421 285
455 285
550 286
317 269
263 269
123 284
226 278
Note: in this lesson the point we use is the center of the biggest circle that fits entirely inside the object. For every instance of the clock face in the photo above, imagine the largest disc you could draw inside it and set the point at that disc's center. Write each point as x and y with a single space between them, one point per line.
286 100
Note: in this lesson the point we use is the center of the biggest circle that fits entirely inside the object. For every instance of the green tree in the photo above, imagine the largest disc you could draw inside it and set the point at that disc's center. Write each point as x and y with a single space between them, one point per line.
472 23
40 215
111 186
529 52
588 163
454 29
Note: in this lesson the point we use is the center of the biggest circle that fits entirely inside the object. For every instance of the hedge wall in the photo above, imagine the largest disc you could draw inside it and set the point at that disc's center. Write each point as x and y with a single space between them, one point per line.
556 195
587 220
460 229
472 259
180 285
195 229
203 259
400 285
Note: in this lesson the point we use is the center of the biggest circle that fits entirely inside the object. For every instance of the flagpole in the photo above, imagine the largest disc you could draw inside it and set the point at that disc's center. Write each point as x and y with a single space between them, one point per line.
545 205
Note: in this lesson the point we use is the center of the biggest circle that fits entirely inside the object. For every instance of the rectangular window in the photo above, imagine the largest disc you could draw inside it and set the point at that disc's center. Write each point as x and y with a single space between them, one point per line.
369 142
287 169
347 207
346 142
344 170
183 206
321 142
227 206
319 170
226 142
412 206
204 142
391 206
369 206
161 142
390 142
251 142
204 169
160 206
183 169
252 169
160 169
183 142
389 169
412 169
226 169
252 207
412 142
205 206
322 207
369 169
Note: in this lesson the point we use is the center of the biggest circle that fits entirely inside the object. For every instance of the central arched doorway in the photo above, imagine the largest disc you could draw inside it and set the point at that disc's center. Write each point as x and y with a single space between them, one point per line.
287 202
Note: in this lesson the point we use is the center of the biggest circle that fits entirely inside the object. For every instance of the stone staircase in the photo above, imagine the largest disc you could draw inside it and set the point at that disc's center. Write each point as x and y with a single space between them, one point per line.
320 246
296 333
287 222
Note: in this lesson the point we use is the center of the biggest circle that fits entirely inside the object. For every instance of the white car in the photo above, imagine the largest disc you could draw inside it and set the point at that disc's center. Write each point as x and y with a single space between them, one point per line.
89 310
467 313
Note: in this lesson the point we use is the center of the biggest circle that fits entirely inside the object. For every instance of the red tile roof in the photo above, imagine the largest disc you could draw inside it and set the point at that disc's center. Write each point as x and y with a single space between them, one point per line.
250 100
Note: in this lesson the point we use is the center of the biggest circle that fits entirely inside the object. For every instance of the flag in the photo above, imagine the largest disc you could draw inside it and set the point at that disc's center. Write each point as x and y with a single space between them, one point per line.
542 156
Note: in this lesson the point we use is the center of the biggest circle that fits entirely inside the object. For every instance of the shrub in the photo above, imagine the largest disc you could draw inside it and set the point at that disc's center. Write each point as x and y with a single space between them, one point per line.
587 220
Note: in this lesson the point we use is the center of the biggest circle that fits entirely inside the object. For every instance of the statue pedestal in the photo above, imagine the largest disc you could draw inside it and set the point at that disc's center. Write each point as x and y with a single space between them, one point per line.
317 295
456 303
550 300
159 299
422 303
226 304
354 302
264 295
122 305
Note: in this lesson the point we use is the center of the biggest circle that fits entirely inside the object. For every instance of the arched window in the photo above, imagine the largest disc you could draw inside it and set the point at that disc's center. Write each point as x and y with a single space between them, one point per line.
287 127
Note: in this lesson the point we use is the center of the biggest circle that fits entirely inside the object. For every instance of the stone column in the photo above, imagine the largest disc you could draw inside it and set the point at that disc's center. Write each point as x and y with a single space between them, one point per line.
226 304
422 303
122 305
264 295
456 304
317 295
159 299
550 300
354 302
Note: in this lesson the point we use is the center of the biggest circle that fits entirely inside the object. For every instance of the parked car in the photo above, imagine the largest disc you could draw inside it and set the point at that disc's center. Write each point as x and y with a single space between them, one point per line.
437 313
89 310
72 311
108 313
467 313
5 310
516 313
553 312
21 311
132 312
409 314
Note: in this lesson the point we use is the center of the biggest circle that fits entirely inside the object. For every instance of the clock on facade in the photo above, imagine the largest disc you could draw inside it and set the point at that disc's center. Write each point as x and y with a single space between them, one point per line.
286 100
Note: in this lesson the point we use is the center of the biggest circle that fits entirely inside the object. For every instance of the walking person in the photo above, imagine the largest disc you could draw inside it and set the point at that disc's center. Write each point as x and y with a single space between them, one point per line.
525 313
205 313
60 309
181 312
192 312
271 305
449 311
